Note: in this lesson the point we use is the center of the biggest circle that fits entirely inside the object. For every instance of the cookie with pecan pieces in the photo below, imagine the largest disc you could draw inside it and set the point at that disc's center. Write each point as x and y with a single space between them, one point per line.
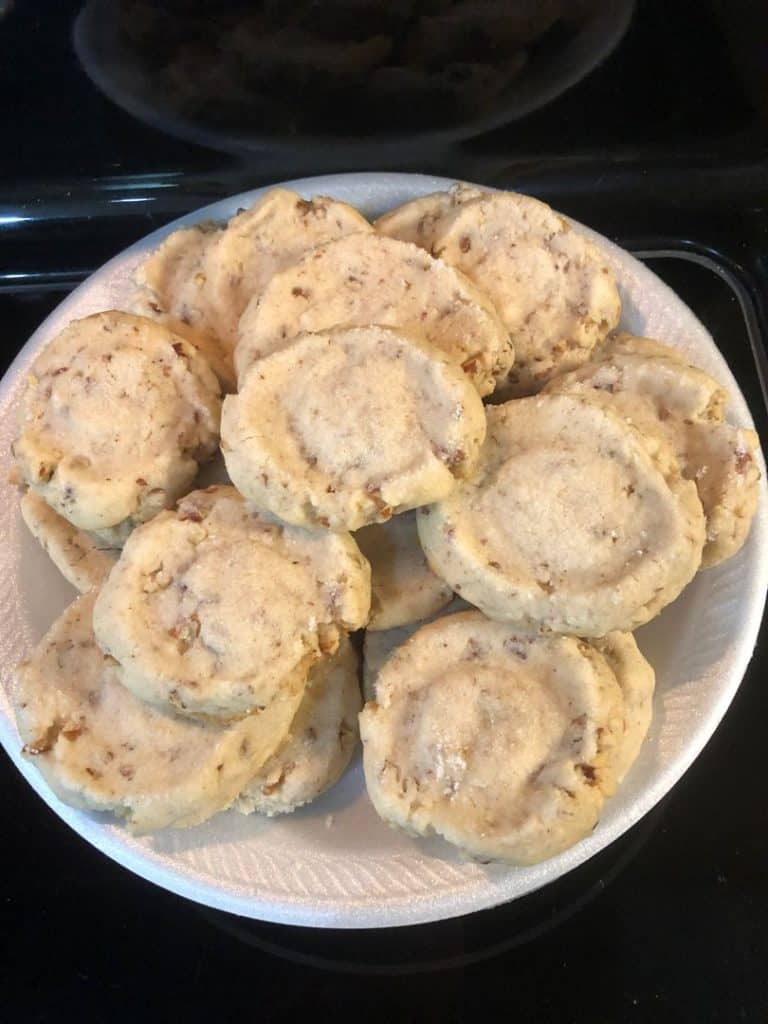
214 608
117 415
403 587
553 290
80 557
351 426
652 386
200 279
365 279
573 521
101 748
503 742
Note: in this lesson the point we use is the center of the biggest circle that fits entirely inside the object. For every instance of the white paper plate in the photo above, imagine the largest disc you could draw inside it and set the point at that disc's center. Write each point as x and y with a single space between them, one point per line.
334 863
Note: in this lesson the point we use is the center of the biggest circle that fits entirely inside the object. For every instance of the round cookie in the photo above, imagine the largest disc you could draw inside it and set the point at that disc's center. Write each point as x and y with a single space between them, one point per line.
637 682
78 556
403 587
502 742
263 239
348 427
116 417
572 521
367 279
651 386
321 742
213 608
553 290
101 748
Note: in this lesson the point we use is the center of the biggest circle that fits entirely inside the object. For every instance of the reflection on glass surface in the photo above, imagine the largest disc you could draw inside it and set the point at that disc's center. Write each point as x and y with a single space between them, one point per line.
237 73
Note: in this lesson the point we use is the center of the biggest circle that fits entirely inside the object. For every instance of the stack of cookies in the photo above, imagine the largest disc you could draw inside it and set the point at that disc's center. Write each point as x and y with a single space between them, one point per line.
431 430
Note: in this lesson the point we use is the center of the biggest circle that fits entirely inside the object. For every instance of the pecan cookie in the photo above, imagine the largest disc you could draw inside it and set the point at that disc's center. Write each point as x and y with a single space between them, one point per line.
117 415
572 521
503 742
350 426
365 279
101 748
633 673
172 279
322 739
652 386
552 288
212 609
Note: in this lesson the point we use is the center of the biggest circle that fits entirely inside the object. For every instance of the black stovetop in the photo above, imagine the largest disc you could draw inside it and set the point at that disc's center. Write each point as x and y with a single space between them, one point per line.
662 146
